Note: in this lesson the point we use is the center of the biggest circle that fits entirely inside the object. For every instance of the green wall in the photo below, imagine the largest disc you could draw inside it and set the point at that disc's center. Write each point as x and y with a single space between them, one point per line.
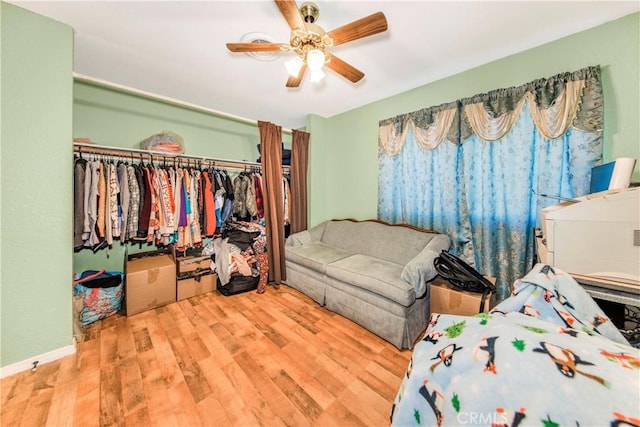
37 204
349 140
120 119
317 175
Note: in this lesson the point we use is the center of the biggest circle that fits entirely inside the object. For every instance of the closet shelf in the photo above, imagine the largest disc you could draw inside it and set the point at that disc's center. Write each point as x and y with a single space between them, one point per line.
84 148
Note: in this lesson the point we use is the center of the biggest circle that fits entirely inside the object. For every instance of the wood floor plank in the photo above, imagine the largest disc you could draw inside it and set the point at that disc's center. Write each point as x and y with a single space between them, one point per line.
38 405
335 381
263 321
147 362
142 340
161 329
298 395
159 405
247 410
111 412
214 345
304 376
366 404
7 391
339 415
350 340
255 365
62 406
394 361
273 359
229 342
205 316
198 385
379 379
244 381
65 394
108 346
196 347
138 418
19 389
132 390
126 341
212 413
87 410
69 371
181 397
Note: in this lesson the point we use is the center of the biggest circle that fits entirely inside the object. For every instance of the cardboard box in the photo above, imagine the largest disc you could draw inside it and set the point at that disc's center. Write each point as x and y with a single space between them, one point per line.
150 282
187 264
188 288
446 299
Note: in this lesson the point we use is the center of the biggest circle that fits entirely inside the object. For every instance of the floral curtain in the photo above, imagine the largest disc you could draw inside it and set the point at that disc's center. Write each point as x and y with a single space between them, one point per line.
473 169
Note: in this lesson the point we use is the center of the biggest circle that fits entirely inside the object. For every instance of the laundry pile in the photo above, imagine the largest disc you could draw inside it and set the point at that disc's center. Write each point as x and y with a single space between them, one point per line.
241 258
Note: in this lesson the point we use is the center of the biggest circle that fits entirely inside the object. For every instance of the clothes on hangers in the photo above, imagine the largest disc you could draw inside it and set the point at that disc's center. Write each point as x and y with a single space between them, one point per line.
160 204
79 173
286 196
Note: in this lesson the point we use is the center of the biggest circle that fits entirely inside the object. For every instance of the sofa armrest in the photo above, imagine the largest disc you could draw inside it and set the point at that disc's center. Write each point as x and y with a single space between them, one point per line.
299 239
306 236
420 269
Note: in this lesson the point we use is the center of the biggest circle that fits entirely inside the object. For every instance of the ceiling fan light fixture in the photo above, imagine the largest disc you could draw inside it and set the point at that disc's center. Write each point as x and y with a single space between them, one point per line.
315 59
293 66
311 43
316 76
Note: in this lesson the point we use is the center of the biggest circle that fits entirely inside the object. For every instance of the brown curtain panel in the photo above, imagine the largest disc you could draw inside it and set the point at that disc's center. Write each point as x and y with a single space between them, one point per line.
299 164
271 161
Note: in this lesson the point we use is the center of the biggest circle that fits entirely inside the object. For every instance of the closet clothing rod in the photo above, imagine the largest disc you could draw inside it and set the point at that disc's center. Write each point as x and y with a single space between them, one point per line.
81 147
165 99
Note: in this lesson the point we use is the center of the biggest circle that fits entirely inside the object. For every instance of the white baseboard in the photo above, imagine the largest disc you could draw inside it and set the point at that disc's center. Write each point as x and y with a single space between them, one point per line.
41 359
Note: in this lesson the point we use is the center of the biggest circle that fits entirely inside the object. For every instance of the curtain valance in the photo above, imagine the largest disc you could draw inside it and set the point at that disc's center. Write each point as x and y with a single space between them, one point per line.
429 125
555 103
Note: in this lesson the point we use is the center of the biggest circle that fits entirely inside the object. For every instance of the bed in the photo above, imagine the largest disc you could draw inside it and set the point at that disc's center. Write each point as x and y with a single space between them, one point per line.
545 356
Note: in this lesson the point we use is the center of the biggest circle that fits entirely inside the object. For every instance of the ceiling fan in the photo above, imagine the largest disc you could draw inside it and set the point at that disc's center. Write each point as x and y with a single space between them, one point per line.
311 43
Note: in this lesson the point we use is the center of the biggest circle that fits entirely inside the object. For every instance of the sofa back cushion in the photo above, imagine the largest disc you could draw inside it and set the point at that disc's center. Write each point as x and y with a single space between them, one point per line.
394 243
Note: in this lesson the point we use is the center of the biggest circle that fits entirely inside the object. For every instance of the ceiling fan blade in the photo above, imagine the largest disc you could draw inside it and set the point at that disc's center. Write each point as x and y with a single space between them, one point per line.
364 27
290 11
294 81
345 70
258 47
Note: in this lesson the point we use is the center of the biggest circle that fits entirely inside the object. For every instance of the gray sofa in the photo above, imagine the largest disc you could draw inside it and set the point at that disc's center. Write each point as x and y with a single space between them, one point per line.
373 273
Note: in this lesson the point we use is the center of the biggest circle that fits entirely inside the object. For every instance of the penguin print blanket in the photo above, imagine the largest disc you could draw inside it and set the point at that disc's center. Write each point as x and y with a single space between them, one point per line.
545 356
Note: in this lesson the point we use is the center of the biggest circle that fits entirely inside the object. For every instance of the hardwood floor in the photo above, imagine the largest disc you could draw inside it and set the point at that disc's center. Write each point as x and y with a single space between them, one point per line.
275 359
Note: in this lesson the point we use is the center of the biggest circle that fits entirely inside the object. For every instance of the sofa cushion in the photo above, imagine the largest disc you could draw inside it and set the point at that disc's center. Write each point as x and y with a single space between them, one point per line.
315 255
376 275
394 243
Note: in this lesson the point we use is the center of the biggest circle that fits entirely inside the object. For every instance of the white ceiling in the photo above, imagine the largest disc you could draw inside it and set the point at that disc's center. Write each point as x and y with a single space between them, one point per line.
177 48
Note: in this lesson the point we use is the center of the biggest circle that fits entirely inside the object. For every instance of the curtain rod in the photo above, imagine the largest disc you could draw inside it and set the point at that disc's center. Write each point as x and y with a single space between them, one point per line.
165 99
81 147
